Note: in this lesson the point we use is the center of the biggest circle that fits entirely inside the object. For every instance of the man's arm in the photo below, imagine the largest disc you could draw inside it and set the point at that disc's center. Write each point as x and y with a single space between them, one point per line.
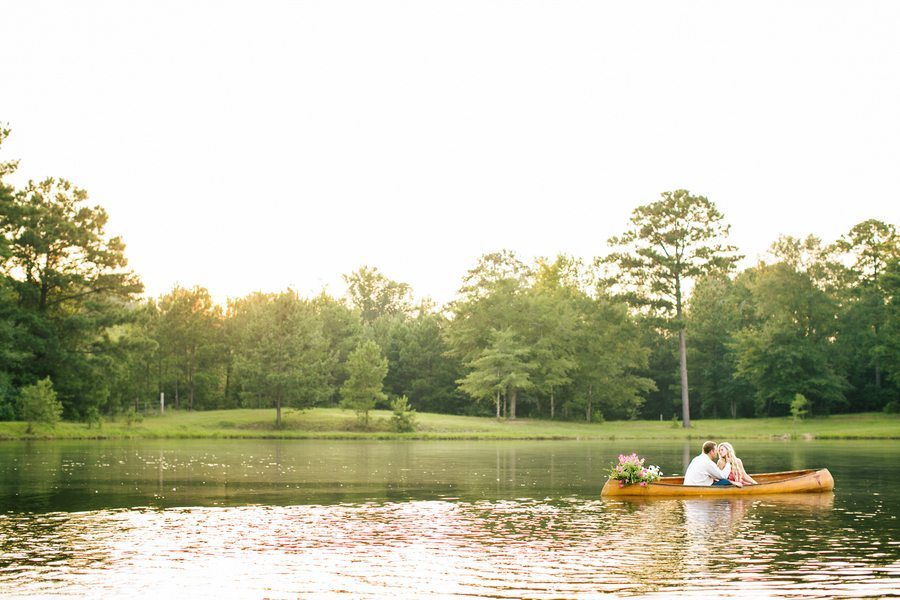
715 472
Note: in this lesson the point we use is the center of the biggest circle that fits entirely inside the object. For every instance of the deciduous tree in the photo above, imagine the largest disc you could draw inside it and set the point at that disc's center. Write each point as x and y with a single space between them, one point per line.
364 386
789 350
189 335
719 308
282 356
375 295
501 370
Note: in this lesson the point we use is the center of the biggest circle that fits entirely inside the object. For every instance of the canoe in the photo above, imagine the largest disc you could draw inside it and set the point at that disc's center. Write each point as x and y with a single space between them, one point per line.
785 482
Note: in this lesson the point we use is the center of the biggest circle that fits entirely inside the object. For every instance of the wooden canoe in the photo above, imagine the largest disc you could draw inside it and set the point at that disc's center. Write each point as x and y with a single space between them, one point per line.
786 482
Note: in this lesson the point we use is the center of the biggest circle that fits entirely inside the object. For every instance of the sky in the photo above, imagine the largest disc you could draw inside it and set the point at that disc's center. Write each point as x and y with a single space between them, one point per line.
262 145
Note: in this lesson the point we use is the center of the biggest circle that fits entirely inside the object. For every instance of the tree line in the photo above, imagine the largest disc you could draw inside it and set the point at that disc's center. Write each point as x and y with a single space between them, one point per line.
664 325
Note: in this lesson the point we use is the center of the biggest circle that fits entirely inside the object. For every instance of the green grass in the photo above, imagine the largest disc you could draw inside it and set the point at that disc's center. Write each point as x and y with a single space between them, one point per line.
335 423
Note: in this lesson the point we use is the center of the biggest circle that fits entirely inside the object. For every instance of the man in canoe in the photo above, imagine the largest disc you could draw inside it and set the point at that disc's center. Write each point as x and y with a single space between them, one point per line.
703 469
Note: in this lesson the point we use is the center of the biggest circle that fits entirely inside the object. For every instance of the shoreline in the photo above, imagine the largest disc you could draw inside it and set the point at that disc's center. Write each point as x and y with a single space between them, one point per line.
336 424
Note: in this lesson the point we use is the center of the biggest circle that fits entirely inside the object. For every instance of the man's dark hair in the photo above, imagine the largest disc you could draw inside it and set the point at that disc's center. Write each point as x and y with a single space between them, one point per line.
708 447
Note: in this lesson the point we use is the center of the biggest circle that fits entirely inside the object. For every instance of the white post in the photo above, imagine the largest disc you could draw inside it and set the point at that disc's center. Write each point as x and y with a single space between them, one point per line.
162 403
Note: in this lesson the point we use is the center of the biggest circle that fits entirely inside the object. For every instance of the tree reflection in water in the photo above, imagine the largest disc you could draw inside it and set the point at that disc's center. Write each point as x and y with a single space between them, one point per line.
703 544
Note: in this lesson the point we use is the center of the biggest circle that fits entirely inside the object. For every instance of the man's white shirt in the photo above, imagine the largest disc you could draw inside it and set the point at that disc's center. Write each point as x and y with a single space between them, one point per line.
702 471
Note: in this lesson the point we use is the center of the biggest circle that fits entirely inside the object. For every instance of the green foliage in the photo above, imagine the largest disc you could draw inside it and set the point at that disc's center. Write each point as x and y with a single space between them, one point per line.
716 312
853 278
92 417
8 395
891 338
547 339
609 355
554 301
661 368
7 192
374 295
892 407
502 369
131 365
403 419
799 407
418 364
363 388
630 470
38 404
341 330
489 330
132 417
491 299
281 357
671 241
538 332
68 283
7 411
188 331
789 350
871 246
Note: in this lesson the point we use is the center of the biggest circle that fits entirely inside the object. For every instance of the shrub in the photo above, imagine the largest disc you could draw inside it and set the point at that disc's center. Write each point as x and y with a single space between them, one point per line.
92 417
892 407
38 404
132 416
799 407
404 417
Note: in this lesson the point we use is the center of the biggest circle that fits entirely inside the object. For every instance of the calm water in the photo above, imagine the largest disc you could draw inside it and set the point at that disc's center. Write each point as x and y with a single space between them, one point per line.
284 519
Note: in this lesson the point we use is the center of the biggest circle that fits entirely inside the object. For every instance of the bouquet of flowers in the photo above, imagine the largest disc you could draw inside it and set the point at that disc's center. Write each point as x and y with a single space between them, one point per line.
631 470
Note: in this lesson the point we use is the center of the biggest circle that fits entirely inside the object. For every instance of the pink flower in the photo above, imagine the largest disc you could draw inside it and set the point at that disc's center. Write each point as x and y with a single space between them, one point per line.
643 484
621 484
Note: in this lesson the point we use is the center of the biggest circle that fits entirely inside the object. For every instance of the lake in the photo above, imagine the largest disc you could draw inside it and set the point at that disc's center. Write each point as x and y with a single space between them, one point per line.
285 519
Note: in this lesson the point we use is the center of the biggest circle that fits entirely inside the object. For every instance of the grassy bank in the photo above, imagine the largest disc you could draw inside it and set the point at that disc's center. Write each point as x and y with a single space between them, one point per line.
335 423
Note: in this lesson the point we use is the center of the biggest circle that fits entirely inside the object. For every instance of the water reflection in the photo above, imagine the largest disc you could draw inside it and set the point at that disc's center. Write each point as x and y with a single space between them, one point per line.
428 520
511 548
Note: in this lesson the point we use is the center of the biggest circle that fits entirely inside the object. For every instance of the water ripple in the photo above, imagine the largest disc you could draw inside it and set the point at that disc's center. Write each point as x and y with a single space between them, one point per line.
484 549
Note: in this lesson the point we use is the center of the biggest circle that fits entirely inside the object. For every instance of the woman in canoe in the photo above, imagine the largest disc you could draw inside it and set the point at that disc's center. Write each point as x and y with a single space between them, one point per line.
731 465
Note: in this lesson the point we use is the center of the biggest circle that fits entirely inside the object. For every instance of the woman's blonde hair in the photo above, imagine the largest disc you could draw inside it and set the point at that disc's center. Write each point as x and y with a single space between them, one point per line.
730 456
729 451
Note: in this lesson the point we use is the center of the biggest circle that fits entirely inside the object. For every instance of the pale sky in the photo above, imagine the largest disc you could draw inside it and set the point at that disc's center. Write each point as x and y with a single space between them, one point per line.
258 145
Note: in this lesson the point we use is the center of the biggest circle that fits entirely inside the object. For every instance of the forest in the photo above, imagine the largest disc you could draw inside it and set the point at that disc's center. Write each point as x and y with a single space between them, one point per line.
662 324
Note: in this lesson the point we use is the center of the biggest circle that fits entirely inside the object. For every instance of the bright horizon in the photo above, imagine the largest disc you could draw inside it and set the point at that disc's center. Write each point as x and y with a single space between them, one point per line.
263 146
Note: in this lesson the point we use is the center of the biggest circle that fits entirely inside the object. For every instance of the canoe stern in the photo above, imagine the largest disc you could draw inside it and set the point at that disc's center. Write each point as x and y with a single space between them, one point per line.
826 481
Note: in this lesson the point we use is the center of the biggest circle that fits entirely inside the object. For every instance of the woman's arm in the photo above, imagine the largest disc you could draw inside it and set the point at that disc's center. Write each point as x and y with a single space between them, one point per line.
745 477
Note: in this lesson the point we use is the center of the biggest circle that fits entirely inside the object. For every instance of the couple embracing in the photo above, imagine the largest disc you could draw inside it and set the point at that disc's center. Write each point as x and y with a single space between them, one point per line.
717 465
